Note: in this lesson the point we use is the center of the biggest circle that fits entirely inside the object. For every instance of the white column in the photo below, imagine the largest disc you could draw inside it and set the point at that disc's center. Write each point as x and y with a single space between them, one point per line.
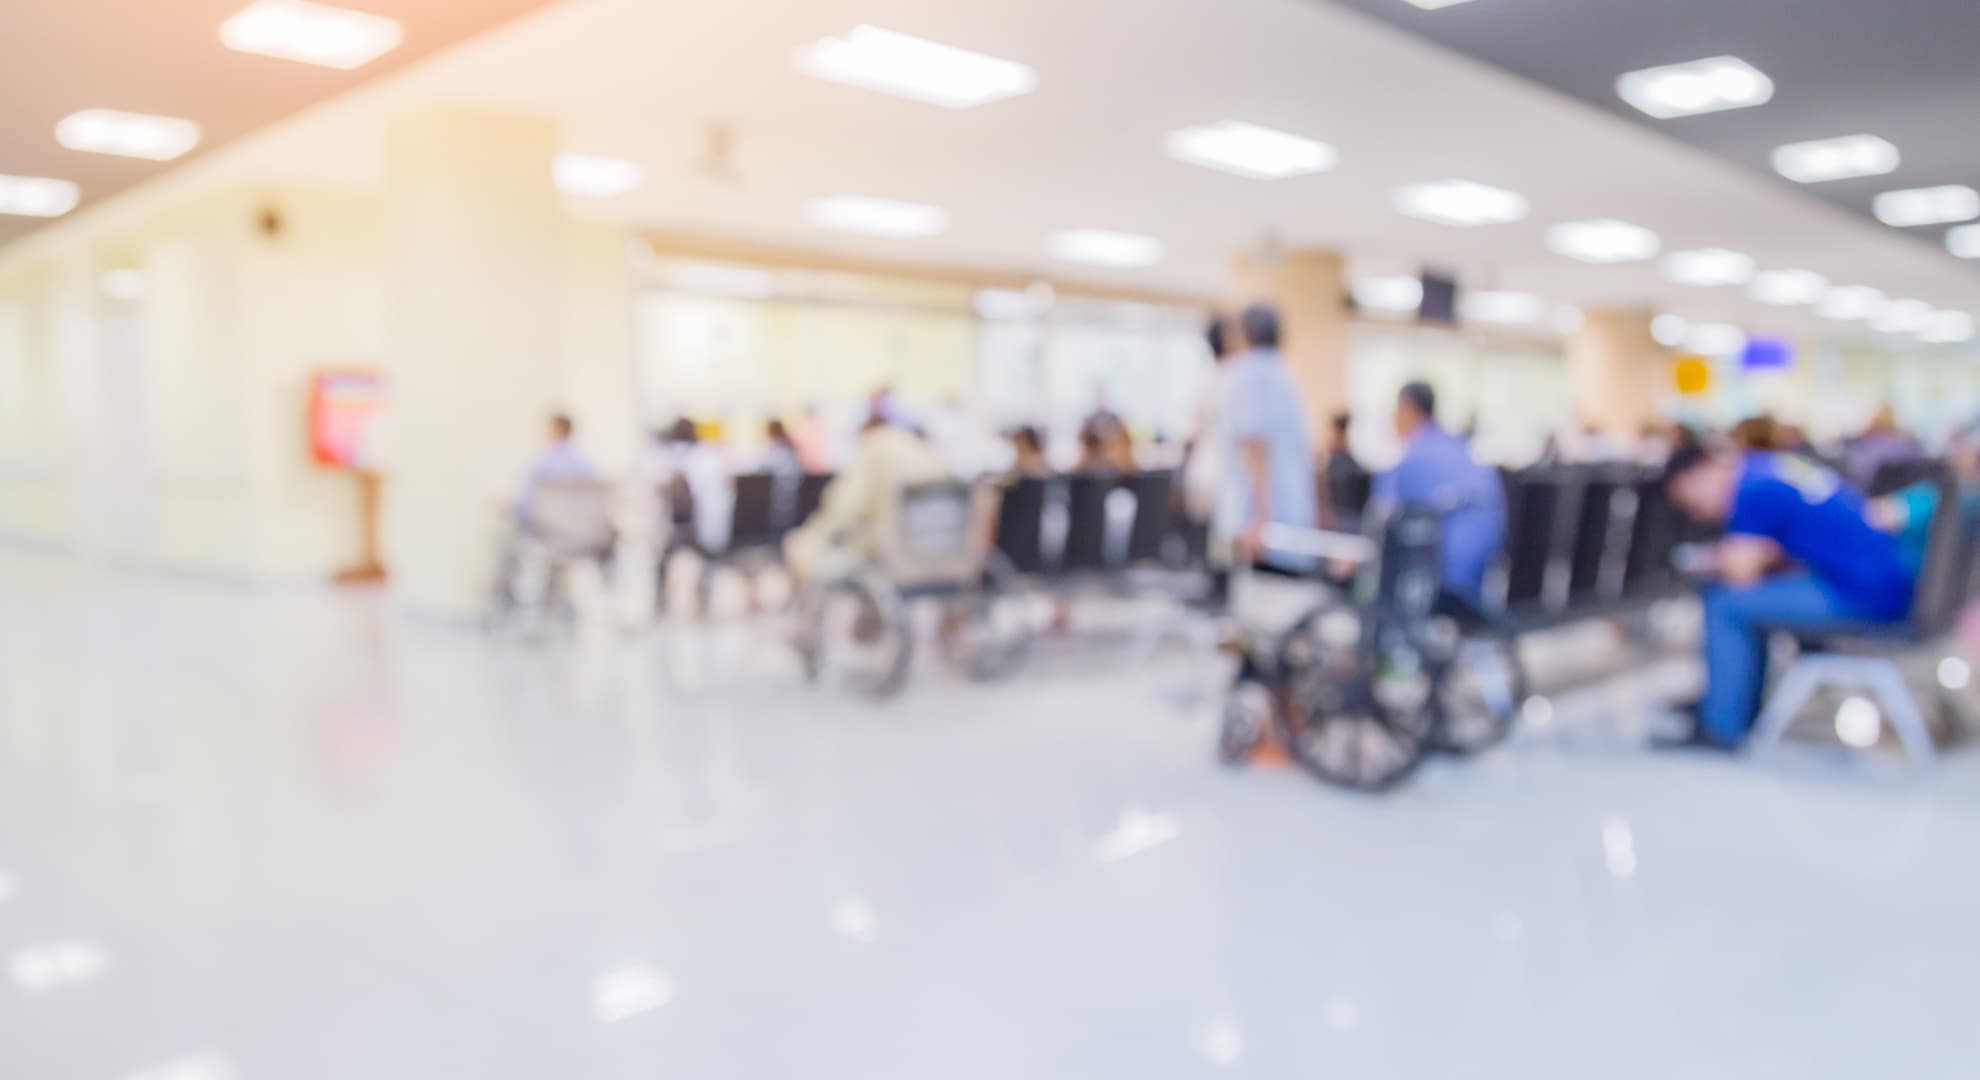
476 256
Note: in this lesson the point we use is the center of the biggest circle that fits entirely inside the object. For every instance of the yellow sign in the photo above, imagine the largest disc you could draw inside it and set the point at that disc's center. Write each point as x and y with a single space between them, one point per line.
1692 374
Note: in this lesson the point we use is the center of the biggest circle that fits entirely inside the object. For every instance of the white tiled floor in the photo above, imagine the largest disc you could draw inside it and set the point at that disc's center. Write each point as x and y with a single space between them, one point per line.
286 836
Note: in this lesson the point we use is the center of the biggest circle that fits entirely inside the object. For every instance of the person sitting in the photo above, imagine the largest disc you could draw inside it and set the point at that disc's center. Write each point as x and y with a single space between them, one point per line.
1437 471
1883 443
857 510
1907 513
1799 548
1095 453
560 459
1028 450
780 452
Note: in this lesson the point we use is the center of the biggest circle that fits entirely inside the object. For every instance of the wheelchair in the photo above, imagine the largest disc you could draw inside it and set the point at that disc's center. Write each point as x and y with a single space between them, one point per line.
1369 678
860 628
566 525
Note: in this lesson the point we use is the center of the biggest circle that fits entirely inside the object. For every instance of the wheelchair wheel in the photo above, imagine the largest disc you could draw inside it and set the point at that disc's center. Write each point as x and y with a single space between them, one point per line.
1479 691
987 632
1248 714
1355 708
856 633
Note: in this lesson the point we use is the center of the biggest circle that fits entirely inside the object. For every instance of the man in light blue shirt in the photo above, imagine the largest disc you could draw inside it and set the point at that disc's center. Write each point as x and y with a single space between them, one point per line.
1437 471
560 459
1271 469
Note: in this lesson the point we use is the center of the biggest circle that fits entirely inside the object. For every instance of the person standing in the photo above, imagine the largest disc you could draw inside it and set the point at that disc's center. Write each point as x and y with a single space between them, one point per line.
1270 459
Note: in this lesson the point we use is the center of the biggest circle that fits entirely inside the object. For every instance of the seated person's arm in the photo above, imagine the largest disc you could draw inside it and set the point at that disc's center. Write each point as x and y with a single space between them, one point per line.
1744 560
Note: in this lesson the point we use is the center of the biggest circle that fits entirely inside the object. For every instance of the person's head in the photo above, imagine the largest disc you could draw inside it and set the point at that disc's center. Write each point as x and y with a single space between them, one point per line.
1416 406
777 433
682 432
1218 336
1337 431
1756 433
1702 481
1260 325
1027 442
1882 422
561 428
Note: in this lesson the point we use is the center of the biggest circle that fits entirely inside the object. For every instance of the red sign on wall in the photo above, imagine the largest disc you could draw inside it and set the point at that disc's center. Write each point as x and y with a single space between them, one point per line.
344 409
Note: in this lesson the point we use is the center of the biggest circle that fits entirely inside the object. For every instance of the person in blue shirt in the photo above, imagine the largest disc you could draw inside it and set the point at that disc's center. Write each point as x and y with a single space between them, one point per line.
1437 471
1799 548
560 459
1271 464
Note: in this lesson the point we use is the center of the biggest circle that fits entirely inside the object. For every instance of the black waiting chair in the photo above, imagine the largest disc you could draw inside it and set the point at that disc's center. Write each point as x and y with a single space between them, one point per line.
1021 524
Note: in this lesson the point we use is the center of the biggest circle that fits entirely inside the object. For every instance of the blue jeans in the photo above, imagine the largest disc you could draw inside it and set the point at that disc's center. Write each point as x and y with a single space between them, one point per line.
1736 650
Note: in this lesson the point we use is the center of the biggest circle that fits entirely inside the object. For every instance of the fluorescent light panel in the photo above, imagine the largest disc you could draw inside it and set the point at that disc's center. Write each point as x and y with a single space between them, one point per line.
1669 330
875 217
595 176
1902 317
1105 247
1789 287
890 62
1715 339
1388 292
307 33
1249 150
1947 328
1708 267
126 134
1850 302
1964 241
37 196
1463 203
1928 206
1713 84
1841 158
1604 240
1502 307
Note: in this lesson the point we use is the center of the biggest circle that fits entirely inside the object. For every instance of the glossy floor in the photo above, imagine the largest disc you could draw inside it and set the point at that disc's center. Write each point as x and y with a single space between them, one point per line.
287 836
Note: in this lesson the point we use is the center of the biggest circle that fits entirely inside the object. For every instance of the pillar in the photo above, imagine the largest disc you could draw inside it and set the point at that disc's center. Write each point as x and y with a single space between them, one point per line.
1309 289
475 256
1617 371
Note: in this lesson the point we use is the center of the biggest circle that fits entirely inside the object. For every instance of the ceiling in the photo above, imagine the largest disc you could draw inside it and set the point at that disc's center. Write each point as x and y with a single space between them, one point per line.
1905 70
646 79
164 57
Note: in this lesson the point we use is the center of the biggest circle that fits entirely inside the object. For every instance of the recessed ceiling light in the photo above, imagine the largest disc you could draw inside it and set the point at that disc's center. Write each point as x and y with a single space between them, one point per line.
1788 287
1388 292
58 964
1105 247
307 33
1902 317
1463 203
1713 84
1928 206
1948 327
1964 241
628 992
1502 307
37 196
1669 330
875 58
1604 240
875 217
1715 339
1435 5
134 135
199 1067
1708 267
595 176
1260 153
1835 159
1850 302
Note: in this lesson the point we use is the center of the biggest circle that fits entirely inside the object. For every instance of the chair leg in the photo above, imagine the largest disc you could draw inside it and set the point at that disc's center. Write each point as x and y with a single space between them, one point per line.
1785 703
1901 709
